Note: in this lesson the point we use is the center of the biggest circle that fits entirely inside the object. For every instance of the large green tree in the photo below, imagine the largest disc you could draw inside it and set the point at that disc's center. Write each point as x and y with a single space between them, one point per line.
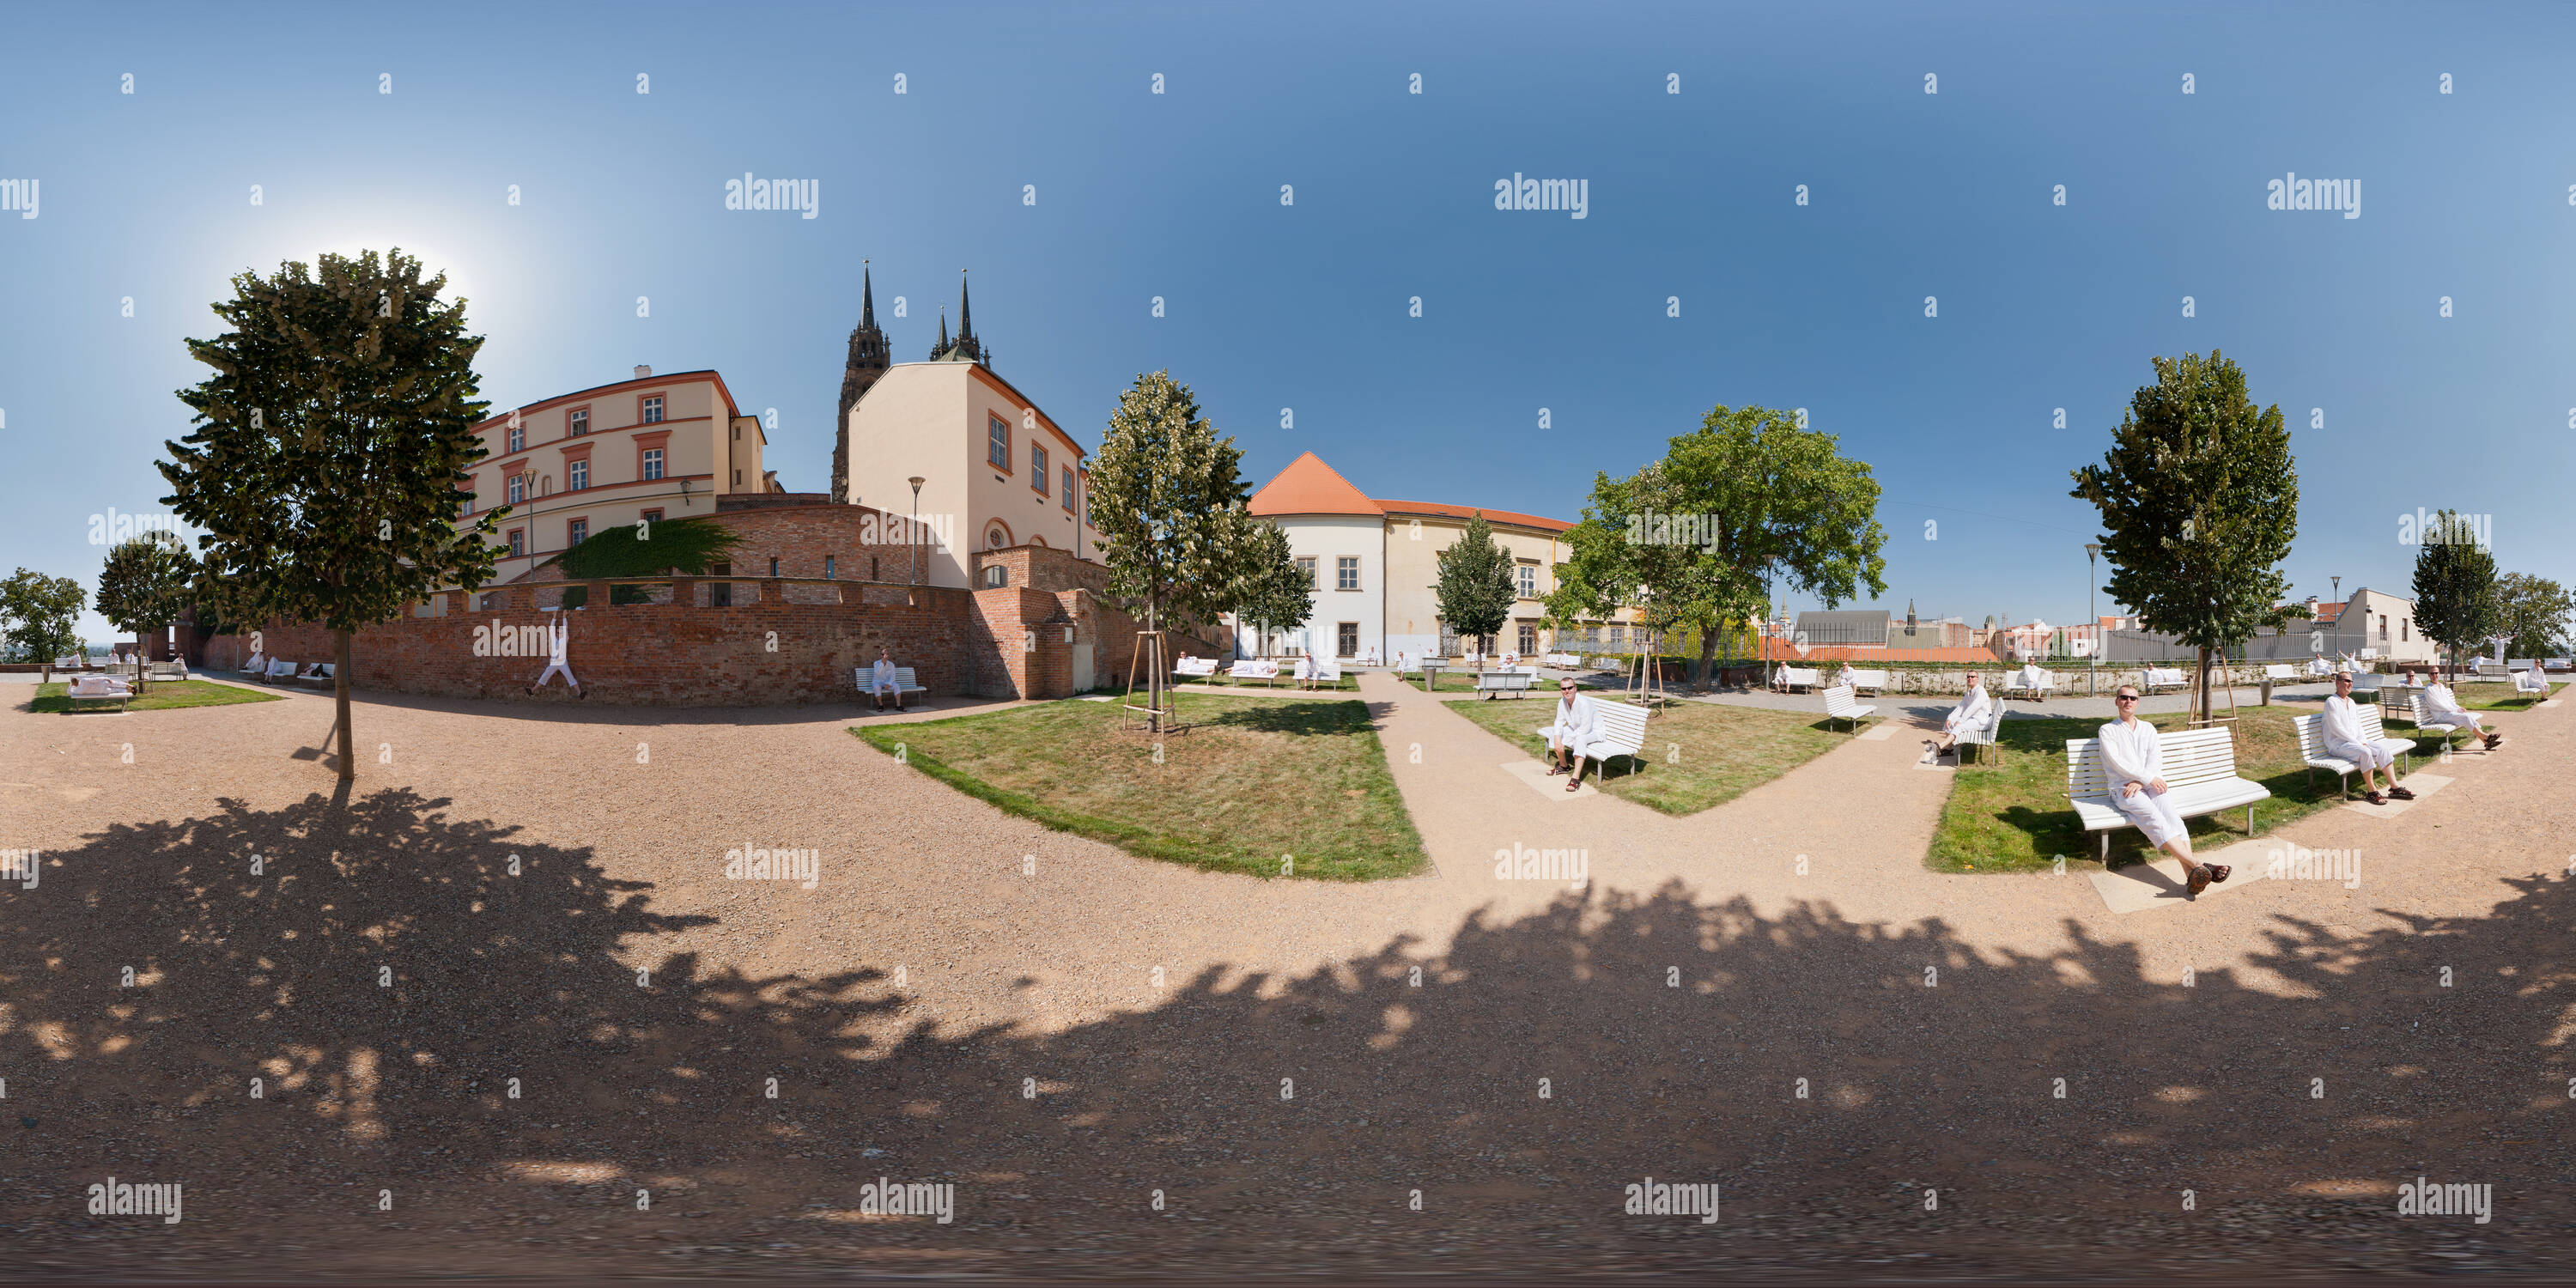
1474 587
330 445
1167 497
2199 498
1270 590
144 587
1697 539
37 614
2536 612
2456 600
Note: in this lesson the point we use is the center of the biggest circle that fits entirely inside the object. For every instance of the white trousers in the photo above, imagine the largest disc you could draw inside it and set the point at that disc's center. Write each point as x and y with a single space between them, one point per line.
2371 754
2153 813
562 668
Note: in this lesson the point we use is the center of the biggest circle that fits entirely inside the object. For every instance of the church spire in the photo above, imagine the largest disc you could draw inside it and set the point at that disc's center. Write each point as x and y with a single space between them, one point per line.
965 311
941 350
868 359
867 298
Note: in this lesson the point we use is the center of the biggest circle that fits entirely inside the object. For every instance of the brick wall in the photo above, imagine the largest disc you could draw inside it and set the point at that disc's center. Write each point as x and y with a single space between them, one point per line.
863 543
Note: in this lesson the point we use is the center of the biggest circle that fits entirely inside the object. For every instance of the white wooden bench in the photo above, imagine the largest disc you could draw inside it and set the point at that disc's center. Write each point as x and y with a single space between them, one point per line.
99 688
1327 671
280 671
2281 673
1563 661
1195 668
1623 733
1792 677
174 669
2312 745
2037 692
2426 720
1607 663
2199 772
903 681
2161 677
1987 732
1839 706
1254 668
315 675
1874 680
1515 681
2367 682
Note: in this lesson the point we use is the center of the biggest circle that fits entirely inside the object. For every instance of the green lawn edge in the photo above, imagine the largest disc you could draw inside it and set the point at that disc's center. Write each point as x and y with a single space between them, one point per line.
54 699
1138 841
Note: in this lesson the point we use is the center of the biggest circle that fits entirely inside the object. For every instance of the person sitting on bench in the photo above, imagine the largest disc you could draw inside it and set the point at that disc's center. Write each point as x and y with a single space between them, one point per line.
2031 677
883 682
2134 758
1577 728
1970 714
2345 740
2443 706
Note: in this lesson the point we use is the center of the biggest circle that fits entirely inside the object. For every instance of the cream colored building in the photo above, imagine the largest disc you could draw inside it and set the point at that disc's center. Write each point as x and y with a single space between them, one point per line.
1375 568
996 470
653 447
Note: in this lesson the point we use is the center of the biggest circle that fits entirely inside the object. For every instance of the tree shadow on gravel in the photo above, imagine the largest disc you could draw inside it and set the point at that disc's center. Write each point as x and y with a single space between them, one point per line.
1830 1075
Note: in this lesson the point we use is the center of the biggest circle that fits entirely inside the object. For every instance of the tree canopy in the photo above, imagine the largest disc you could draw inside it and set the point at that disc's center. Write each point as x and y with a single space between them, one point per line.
146 585
2456 601
1271 590
330 447
1474 587
2536 612
2199 499
1696 539
1167 497
37 614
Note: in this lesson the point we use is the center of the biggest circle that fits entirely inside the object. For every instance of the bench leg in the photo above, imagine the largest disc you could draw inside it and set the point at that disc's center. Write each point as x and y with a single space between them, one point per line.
2249 822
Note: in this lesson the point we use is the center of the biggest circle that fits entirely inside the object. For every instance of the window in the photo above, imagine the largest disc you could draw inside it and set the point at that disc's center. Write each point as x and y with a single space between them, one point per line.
2402 624
516 436
1528 575
1037 468
1529 636
465 505
518 490
997 443
827 567
652 411
1306 567
1068 489
577 422
652 462
650 516
1346 572
1618 637
579 474
996 576
997 537
1346 640
2383 628
773 566
518 542
1448 640
576 532
737 478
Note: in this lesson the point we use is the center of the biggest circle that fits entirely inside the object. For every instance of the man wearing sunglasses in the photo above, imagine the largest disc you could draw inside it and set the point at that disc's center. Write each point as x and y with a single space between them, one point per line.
2136 761
2345 740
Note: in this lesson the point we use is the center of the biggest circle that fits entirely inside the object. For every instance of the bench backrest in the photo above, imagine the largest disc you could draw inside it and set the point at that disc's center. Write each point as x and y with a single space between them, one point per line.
1254 669
280 666
1622 725
2192 756
868 677
2519 664
1798 675
1838 701
1869 679
2163 675
1328 669
1195 666
2312 731
2279 671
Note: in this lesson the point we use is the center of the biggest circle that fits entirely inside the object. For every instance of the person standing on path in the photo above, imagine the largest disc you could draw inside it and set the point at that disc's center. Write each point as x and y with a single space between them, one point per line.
2135 757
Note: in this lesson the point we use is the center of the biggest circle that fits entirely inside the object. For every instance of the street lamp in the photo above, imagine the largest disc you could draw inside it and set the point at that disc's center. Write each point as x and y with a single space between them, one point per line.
915 534
2093 677
2338 594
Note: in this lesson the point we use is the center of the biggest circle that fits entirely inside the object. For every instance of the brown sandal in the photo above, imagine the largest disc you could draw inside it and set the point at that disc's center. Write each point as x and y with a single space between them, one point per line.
2401 793
1573 784
2217 872
2374 798
2199 881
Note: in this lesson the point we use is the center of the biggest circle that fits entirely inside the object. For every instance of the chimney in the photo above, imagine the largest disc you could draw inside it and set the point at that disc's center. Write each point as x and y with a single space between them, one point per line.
642 372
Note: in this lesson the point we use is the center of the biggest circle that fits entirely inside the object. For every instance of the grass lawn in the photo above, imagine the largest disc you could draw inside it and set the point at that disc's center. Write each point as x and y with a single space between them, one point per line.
1286 683
2015 817
1251 779
1698 754
159 695
2498 697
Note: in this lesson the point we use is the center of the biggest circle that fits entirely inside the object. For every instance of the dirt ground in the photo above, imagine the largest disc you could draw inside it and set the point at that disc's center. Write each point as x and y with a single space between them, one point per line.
1888 1072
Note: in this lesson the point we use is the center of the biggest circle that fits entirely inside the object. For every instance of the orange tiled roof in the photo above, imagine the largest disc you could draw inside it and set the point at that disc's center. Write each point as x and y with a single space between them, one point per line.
1309 486
1465 511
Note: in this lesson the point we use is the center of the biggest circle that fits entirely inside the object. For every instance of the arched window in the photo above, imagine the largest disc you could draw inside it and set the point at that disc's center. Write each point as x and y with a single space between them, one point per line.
996 576
996 537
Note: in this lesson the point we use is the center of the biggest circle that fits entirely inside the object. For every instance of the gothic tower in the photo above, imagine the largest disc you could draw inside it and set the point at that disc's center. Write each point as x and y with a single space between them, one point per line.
966 348
868 360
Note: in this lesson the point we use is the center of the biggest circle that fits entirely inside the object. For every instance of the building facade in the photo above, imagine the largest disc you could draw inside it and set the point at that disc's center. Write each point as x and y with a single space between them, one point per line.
647 448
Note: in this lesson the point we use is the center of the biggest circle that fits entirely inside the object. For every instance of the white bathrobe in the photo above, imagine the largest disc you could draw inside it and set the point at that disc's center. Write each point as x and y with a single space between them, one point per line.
882 677
2347 740
2443 705
1971 712
2132 752
1577 727
2029 677
558 653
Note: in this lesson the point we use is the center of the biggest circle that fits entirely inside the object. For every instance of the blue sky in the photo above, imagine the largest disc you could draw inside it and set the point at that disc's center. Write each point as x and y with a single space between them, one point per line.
1950 195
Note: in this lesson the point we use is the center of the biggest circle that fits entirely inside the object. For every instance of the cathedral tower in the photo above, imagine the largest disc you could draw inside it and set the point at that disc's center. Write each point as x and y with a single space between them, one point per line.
868 360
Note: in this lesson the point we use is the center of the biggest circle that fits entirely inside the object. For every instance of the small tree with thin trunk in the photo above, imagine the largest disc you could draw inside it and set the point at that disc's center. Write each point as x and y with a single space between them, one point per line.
2456 604
2536 611
36 615
2199 499
1271 589
331 445
1475 585
1167 497
145 586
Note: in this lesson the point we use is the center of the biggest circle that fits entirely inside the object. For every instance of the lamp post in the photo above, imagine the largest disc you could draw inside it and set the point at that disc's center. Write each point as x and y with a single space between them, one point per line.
2338 594
915 534
2093 677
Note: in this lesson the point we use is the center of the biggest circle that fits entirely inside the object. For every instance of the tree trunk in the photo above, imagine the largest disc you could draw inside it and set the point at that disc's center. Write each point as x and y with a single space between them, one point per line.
1707 656
2203 716
340 690
138 661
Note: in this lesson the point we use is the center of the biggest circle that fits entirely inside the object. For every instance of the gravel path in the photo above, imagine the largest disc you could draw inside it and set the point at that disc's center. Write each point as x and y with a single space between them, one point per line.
1060 1029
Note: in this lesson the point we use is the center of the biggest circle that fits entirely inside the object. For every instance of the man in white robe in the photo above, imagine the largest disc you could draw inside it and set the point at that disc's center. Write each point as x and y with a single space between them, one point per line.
2134 761
884 681
558 647
1575 736
2443 705
1307 672
2345 739
1972 713
2031 677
